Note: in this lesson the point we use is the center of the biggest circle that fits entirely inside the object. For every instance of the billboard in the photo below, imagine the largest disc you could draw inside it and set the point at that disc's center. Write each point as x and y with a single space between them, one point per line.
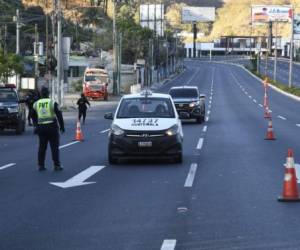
267 13
198 14
152 17
297 27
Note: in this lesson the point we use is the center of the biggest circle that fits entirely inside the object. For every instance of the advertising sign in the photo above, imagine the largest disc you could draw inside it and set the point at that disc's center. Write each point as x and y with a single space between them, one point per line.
297 27
198 14
267 13
152 17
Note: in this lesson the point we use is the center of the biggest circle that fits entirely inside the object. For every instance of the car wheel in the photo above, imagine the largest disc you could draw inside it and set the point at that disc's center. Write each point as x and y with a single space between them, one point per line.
19 128
112 160
24 126
178 158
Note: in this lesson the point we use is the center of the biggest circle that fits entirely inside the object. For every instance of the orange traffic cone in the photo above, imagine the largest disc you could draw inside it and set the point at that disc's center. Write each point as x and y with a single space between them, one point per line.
290 188
267 113
79 135
270 133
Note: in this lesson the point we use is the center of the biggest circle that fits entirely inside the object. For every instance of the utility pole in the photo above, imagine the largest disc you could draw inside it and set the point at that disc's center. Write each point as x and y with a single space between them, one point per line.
291 50
36 52
17 44
194 38
119 61
60 86
5 39
275 60
115 53
17 32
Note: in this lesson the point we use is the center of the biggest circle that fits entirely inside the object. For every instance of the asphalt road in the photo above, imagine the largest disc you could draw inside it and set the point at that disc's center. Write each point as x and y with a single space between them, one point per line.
223 195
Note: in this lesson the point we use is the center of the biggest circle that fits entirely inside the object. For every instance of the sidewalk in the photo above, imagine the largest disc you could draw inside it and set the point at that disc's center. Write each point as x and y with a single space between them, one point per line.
71 100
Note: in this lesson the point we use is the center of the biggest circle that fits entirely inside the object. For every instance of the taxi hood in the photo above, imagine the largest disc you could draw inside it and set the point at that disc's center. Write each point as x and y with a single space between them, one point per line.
145 124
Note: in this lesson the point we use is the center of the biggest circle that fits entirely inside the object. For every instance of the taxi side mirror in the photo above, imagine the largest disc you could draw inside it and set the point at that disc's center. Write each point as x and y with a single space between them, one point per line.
109 116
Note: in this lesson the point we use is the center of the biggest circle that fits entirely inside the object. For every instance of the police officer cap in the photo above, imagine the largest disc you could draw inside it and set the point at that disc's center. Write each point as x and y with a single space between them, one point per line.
44 91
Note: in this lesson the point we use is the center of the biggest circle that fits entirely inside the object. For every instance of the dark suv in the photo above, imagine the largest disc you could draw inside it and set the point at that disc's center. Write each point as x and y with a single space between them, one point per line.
189 103
12 111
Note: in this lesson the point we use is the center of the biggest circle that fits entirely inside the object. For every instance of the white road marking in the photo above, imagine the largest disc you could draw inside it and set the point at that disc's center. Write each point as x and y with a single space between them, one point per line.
250 96
246 92
200 143
189 81
68 144
254 101
208 112
261 105
191 175
168 245
8 166
104 131
79 179
207 119
298 125
210 98
280 117
204 129
209 101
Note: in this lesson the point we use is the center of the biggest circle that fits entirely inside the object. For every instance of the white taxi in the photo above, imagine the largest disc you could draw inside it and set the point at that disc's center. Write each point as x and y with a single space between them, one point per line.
145 125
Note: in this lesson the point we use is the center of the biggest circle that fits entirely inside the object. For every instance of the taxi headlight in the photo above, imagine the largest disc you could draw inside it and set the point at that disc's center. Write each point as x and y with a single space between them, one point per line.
13 109
173 130
116 130
193 104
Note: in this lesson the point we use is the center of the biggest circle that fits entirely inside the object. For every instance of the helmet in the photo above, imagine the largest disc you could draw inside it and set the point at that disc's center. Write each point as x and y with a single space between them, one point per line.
44 91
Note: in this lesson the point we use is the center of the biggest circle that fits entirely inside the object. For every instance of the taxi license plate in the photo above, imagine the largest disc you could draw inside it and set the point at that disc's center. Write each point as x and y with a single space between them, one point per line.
145 144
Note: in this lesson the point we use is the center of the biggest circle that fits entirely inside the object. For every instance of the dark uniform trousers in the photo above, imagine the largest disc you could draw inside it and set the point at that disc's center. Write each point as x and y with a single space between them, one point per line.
48 133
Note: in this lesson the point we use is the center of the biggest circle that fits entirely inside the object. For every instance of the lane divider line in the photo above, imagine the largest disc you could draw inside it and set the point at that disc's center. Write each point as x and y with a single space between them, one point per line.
200 143
104 131
8 166
208 112
205 129
207 118
260 105
168 245
254 101
68 144
281 117
189 81
298 125
191 175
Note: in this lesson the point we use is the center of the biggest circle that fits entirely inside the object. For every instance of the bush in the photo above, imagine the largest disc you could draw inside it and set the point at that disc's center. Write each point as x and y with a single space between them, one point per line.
77 85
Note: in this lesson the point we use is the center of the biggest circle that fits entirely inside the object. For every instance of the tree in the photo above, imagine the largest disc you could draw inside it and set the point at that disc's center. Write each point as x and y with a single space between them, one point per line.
10 65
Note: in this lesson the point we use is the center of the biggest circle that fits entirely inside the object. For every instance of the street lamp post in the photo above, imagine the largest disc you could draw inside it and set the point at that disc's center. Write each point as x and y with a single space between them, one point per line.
115 55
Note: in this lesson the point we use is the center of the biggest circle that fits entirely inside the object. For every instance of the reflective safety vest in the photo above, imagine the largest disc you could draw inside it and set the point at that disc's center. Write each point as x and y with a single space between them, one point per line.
45 110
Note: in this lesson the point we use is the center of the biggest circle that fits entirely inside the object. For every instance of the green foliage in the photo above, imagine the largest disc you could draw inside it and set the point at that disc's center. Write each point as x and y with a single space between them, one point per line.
293 90
10 64
135 39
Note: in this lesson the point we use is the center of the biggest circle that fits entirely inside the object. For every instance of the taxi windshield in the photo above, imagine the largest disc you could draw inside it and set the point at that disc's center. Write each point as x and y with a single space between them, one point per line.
7 95
146 108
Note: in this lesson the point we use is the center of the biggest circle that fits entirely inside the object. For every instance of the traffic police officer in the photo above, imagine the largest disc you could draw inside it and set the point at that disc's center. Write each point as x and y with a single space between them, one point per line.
45 116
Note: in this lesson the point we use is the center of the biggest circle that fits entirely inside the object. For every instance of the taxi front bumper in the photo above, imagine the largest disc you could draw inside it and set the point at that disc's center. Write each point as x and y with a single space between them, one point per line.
127 147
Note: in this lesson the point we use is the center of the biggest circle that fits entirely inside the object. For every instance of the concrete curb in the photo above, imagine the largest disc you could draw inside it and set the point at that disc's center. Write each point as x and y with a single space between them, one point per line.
294 97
